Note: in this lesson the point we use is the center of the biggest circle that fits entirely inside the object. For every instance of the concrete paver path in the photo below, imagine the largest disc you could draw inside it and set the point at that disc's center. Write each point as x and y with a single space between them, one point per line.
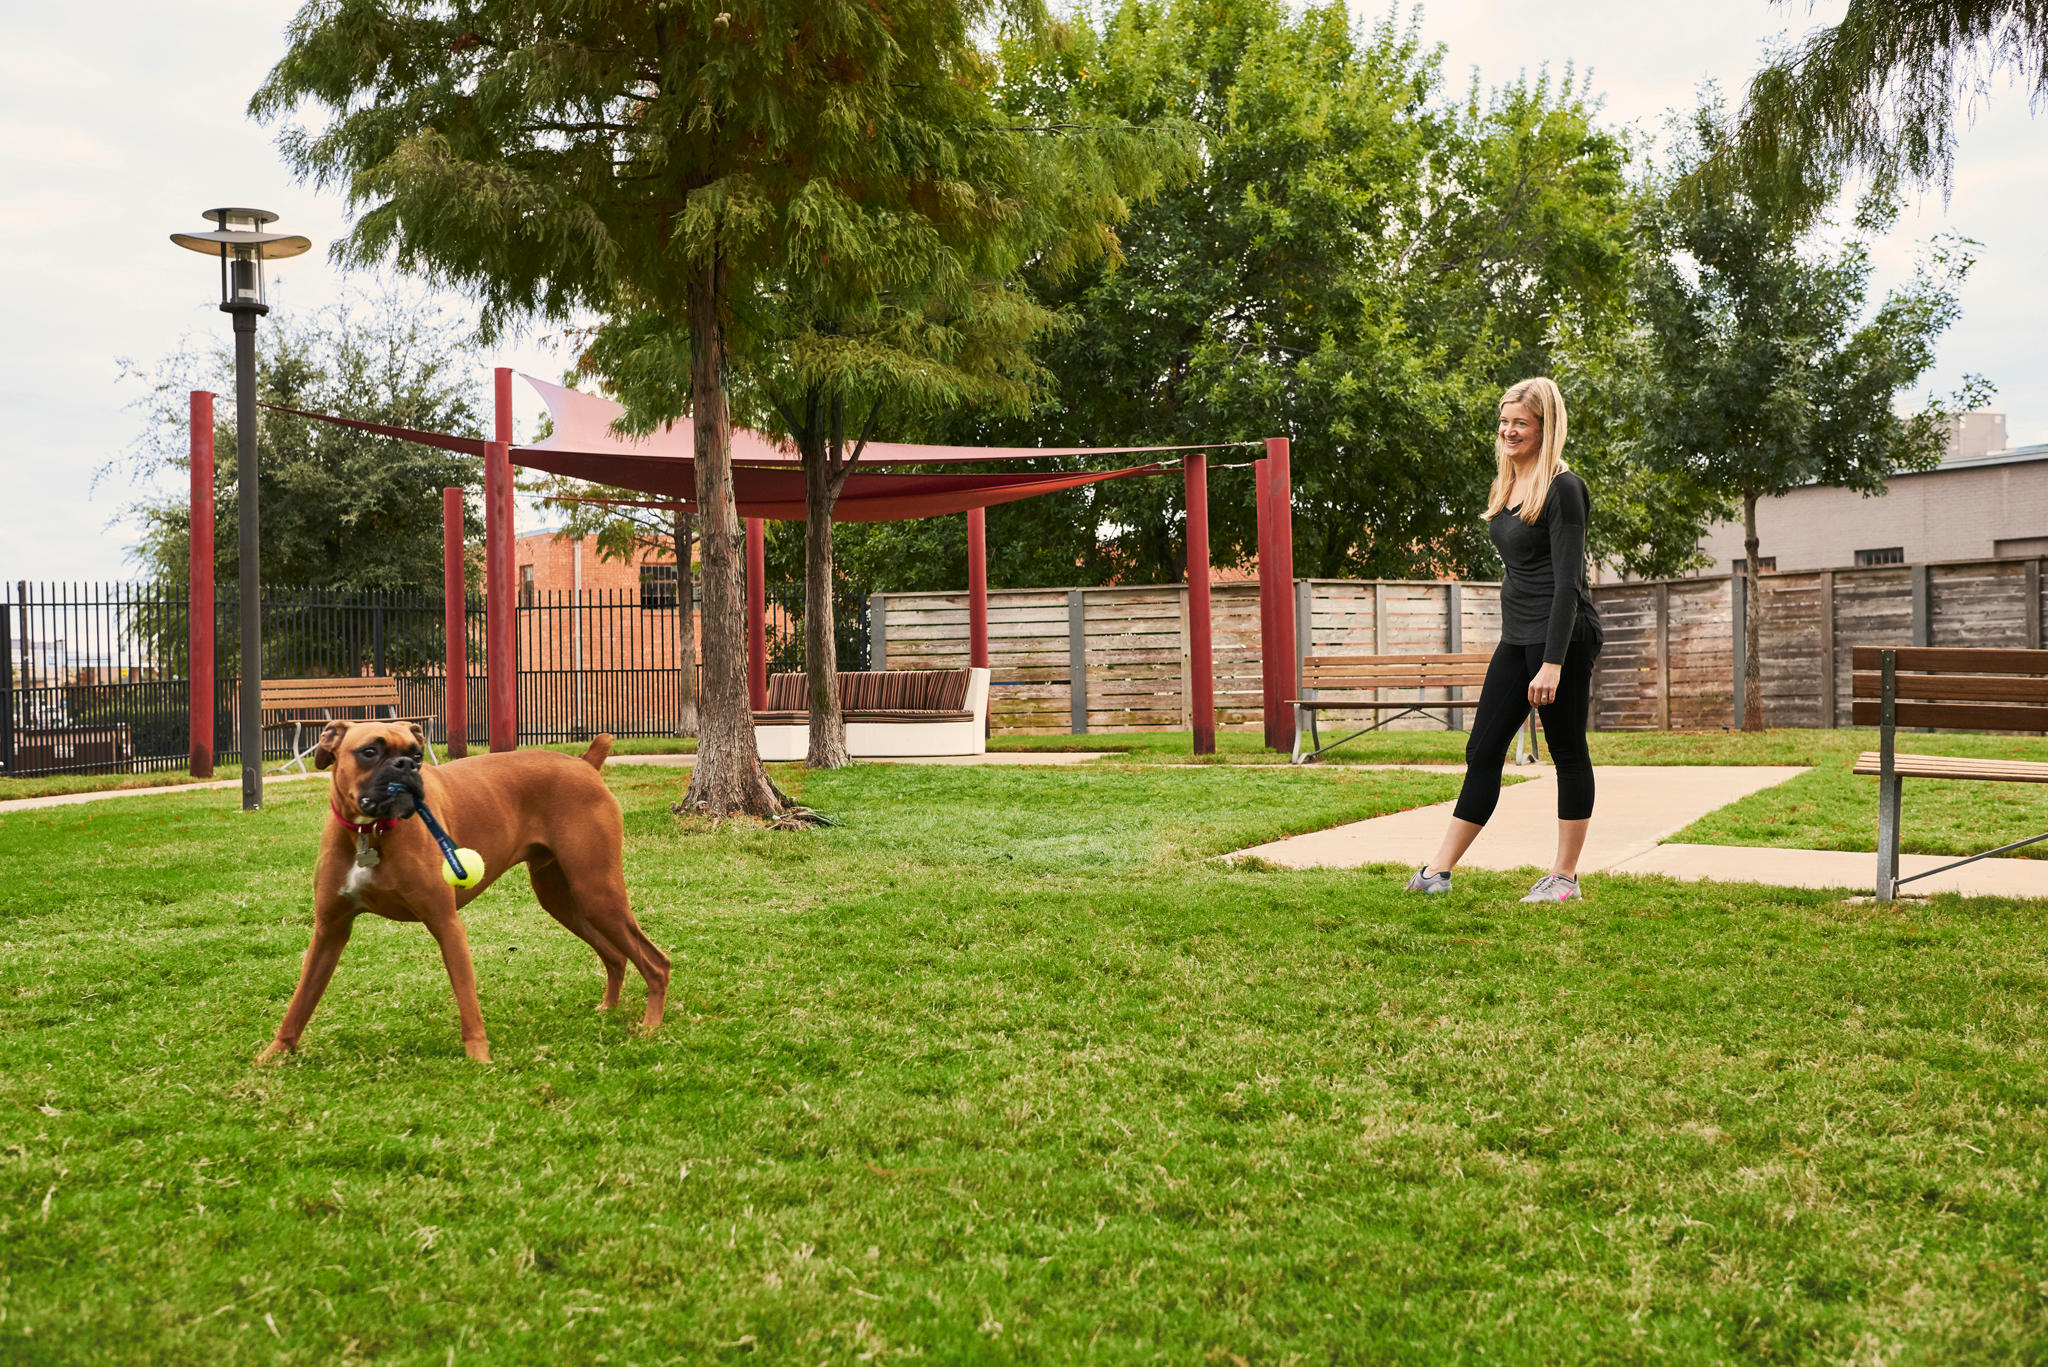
1637 806
23 804
996 757
1839 869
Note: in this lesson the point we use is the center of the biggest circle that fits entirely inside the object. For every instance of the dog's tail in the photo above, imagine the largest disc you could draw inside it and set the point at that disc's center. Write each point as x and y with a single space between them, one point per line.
600 750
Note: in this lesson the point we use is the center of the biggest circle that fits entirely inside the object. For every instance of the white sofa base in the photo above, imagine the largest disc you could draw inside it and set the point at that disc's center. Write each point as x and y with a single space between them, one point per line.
891 739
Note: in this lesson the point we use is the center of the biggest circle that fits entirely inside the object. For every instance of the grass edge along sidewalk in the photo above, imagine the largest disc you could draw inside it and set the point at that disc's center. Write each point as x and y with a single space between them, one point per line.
1005 1068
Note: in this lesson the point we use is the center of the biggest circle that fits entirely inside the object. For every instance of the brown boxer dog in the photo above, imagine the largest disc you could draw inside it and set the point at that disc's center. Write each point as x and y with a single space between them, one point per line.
549 811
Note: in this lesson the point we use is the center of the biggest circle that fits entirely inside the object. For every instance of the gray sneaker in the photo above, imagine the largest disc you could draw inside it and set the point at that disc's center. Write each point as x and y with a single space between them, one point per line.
1425 881
1554 887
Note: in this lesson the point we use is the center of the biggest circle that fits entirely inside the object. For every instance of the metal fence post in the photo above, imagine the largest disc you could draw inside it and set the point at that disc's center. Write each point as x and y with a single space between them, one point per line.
6 687
1923 628
1304 637
878 631
1827 649
2030 611
379 664
1454 643
1887 779
1077 663
1738 589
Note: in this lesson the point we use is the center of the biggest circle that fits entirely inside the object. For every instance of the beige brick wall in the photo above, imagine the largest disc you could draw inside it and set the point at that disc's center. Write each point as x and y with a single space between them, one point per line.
1947 514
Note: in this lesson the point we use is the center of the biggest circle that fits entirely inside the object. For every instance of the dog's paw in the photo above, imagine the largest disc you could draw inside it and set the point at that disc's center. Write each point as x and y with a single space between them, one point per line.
273 1054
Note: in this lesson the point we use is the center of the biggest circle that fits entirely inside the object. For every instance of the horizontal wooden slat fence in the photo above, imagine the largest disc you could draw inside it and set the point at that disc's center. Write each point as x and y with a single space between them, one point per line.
1672 659
1133 667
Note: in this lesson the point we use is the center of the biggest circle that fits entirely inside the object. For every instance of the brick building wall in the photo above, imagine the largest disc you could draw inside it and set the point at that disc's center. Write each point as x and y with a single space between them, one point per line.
620 623
1972 508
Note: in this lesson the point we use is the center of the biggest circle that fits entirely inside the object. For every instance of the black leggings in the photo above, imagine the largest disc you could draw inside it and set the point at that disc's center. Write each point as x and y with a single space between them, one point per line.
1504 706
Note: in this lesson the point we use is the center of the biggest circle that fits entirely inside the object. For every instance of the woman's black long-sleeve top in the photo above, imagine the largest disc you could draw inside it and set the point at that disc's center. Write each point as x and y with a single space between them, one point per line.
1543 596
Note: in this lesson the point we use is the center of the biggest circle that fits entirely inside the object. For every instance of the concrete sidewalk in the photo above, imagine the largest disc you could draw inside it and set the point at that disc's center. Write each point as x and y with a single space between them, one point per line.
994 757
1856 870
1639 806
23 804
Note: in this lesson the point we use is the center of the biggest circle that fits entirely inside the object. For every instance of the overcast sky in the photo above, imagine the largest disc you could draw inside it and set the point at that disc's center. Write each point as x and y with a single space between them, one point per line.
121 119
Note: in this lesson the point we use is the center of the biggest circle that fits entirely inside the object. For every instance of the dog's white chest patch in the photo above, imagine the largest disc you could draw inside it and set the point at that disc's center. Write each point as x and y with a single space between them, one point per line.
357 880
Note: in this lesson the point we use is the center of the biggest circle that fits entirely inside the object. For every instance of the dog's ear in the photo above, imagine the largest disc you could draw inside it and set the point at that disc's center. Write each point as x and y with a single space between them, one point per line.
330 740
419 737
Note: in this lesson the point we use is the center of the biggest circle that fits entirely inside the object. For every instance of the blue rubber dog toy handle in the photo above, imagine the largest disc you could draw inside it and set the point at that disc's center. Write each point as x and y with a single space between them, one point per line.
434 829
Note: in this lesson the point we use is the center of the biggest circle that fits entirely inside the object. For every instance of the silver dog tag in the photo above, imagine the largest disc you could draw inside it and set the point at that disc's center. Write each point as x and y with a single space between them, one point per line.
366 853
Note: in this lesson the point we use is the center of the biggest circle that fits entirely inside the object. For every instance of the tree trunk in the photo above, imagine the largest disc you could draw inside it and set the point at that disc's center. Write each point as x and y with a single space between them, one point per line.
821 644
1752 621
728 779
686 614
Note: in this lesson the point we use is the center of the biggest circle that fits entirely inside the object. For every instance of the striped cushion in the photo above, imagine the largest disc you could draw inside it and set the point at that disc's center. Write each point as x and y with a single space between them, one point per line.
922 694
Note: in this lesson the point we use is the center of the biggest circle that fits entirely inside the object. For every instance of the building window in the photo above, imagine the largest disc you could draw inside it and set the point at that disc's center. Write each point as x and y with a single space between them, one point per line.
1764 564
526 586
657 586
2020 546
1883 555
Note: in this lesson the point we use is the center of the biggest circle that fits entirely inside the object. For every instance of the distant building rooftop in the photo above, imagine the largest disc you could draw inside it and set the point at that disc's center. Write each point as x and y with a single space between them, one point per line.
2011 455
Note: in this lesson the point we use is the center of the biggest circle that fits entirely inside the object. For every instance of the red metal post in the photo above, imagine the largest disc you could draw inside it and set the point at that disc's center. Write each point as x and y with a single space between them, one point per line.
199 610
1270 700
1280 499
501 642
501 627
455 600
1201 667
977 588
757 613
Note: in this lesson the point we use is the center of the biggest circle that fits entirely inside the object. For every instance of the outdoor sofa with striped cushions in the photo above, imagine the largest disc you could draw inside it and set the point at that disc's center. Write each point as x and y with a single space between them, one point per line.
875 695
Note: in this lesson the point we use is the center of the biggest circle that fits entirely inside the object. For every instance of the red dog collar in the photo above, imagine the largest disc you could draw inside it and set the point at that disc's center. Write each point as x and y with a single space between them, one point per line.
361 827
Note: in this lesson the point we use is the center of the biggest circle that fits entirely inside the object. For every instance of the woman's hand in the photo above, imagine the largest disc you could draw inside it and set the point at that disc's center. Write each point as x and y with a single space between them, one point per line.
1543 688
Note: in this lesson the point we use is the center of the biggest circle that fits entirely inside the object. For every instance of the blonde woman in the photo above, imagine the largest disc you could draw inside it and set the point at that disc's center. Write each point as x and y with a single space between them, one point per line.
1550 635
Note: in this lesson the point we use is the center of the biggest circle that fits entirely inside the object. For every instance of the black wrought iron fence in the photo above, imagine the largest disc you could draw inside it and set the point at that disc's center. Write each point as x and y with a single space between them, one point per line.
96 676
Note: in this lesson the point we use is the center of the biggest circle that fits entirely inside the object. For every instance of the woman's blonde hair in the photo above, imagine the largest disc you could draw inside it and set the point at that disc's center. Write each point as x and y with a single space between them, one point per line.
1541 395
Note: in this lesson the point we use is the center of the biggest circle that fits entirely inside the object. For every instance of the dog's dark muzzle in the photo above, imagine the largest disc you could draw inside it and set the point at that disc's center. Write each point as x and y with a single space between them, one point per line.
394 791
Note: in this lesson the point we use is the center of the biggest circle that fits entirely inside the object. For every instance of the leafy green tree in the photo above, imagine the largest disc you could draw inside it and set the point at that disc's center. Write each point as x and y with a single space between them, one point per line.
1360 264
671 159
1761 373
339 507
917 310
1879 91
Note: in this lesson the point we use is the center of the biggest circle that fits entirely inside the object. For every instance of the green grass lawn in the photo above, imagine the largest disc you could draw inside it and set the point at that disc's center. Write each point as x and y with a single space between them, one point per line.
1005 1068
1830 808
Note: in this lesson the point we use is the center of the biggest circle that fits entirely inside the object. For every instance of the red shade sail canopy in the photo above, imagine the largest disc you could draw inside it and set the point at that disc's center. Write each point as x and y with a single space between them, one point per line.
768 476
779 493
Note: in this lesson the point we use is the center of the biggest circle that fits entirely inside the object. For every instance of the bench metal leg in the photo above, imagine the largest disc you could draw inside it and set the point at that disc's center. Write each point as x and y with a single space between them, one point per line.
1888 782
298 759
1889 792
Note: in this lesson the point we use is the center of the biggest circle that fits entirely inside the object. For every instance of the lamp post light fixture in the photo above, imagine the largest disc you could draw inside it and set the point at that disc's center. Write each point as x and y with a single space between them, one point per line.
242 245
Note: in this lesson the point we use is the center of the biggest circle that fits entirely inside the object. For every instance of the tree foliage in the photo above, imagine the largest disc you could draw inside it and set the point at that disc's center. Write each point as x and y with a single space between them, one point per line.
1755 369
673 160
338 507
1880 92
1358 264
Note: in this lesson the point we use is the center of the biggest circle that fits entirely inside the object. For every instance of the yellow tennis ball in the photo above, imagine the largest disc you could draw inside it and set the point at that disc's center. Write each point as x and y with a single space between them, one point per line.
472 869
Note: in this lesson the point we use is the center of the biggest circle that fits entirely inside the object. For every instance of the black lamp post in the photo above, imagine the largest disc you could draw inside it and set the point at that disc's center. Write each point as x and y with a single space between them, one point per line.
241 244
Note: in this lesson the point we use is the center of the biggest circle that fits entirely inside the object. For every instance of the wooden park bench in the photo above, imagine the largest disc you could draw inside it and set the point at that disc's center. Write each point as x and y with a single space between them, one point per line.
359 698
1954 689
1355 674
